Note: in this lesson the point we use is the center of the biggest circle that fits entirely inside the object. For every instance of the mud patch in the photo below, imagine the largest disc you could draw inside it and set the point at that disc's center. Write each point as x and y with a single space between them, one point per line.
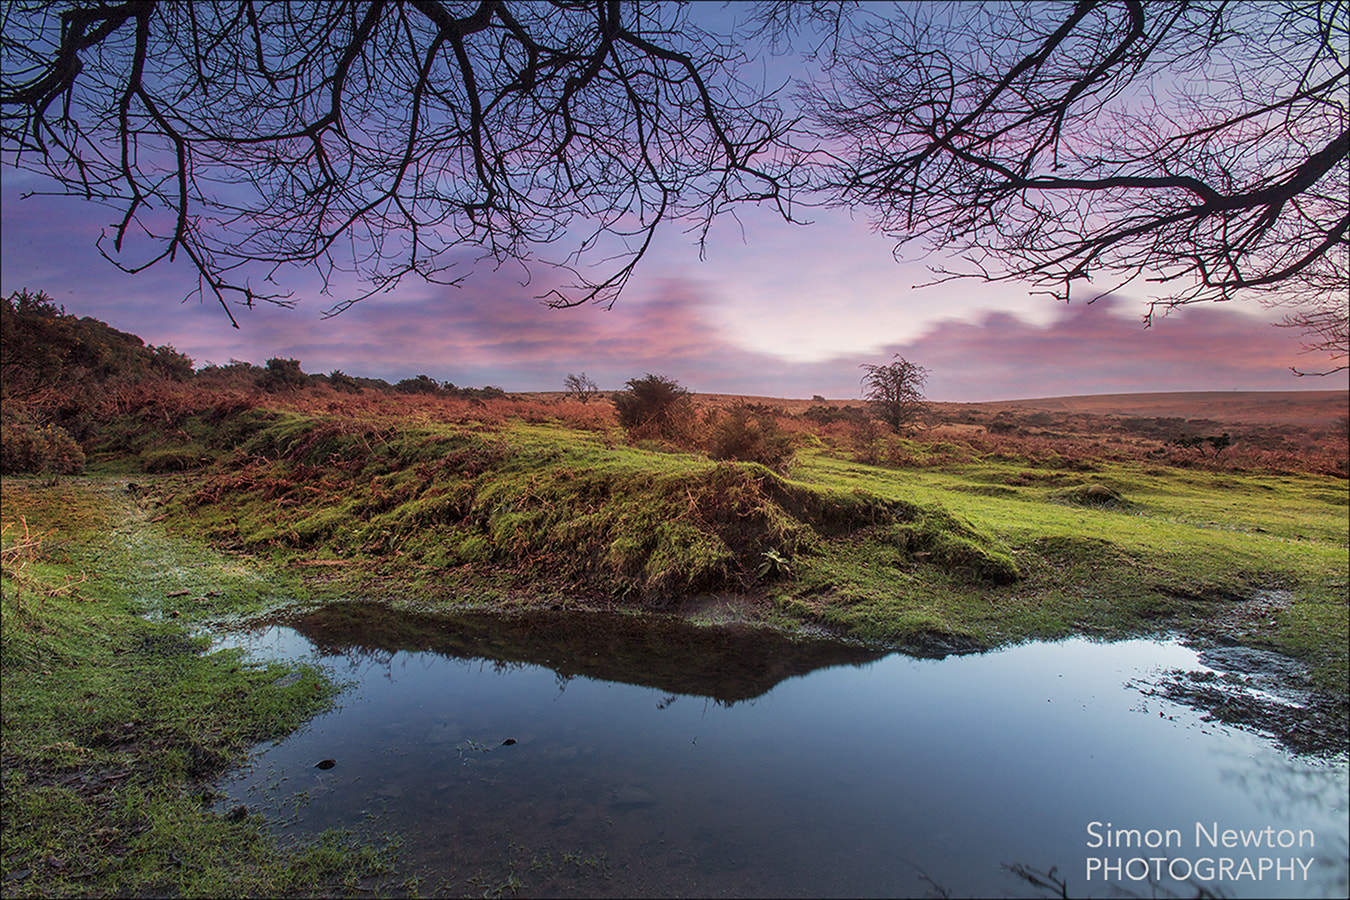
1262 691
1246 616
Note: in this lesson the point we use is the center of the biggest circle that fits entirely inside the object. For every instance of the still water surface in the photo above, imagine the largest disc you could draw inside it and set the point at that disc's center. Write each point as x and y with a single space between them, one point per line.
742 765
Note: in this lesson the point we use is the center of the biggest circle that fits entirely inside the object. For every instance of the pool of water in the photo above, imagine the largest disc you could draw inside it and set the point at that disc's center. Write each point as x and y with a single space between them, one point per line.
588 756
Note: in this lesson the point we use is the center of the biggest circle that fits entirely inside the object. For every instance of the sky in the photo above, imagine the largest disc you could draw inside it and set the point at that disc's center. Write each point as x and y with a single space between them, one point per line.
773 310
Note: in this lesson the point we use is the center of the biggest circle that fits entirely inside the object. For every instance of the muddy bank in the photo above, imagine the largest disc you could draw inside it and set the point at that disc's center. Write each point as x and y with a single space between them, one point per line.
1263 691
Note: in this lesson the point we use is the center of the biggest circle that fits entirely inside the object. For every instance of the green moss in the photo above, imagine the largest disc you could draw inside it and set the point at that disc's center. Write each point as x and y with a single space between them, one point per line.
174 458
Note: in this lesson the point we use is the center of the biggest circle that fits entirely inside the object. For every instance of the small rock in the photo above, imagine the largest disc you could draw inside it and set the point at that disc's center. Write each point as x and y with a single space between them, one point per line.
325 764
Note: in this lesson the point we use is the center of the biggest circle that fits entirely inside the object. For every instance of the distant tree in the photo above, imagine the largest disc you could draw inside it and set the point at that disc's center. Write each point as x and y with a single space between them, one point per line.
580 387
1217 442
282 374
894 392
655 406
422 384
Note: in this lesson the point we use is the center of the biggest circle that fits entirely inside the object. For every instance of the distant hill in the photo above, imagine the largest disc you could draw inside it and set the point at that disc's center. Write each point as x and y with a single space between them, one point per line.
1284 408
1310 408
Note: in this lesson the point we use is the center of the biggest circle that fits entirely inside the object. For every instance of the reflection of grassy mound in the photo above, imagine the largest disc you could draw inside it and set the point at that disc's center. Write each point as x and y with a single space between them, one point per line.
664 652
624 521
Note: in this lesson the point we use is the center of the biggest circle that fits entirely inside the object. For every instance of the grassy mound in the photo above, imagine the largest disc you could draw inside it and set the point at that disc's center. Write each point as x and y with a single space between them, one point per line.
630 523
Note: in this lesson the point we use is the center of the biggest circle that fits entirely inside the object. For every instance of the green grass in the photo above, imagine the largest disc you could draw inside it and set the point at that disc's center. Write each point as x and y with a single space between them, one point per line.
115 716
971 554
1181 546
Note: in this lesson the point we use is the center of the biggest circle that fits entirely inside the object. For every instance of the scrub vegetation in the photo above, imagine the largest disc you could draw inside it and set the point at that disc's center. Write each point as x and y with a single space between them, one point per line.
230 492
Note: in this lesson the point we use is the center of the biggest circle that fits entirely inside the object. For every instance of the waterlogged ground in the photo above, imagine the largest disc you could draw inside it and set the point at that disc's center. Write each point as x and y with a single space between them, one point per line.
597 756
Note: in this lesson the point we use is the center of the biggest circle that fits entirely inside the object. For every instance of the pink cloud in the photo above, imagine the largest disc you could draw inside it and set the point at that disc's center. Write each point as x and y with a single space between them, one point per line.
1104 348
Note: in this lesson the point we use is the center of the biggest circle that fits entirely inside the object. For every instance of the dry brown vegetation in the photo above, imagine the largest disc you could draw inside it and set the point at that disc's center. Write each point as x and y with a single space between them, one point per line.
1034 432
1031 432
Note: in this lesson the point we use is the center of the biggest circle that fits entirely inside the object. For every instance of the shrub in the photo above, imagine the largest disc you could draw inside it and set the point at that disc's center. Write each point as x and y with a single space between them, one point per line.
751 437
26 446
825 415
422 384
342 382
280 374
655 406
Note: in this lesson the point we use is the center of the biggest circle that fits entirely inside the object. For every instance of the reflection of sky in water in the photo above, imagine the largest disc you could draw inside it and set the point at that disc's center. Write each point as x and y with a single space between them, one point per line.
847 781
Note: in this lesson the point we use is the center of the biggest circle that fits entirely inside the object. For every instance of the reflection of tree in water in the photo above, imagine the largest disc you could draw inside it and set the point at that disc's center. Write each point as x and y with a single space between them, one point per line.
1283 787
368 658
726 664
361 657
1297 793
1055 884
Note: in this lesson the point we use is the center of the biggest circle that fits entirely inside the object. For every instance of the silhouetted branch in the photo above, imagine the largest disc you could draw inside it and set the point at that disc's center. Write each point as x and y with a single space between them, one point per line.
1199 146
381 140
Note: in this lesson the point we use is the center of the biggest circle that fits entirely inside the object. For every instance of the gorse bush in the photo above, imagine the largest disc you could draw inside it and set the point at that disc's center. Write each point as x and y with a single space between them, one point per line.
748 436
282 374
422 384
27 446
656 407
42 347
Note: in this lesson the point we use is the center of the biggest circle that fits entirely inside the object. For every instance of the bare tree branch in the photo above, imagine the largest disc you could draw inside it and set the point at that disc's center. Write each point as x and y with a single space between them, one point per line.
383 140
1200 146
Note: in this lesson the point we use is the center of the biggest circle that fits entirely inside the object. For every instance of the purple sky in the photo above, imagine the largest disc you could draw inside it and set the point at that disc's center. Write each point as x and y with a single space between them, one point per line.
773 310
